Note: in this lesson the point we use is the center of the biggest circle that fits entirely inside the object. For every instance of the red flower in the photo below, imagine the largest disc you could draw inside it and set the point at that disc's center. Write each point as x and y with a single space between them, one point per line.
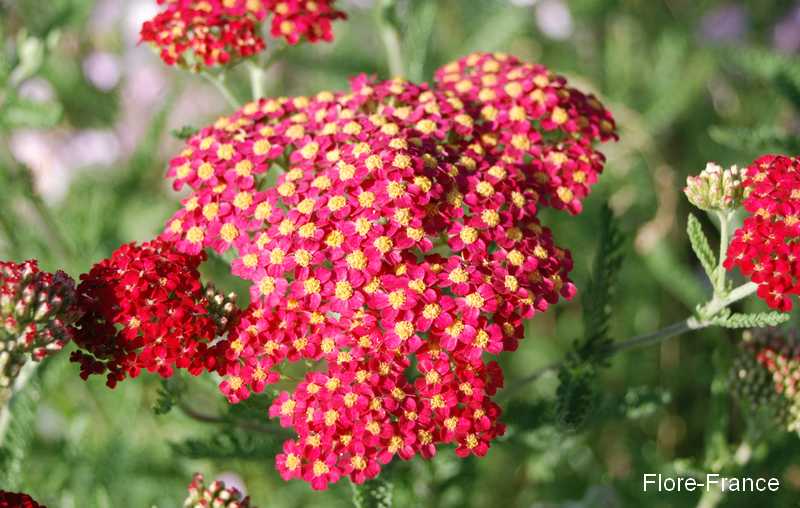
765 248
196 33
144 308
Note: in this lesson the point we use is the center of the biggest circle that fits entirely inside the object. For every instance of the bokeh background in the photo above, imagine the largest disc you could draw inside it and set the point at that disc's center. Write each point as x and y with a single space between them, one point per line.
86 116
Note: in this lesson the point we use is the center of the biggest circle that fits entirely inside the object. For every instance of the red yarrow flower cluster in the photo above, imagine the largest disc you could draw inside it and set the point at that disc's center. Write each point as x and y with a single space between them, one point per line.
197 33
145 308
766 248
214 495
36 311
17 500
399 246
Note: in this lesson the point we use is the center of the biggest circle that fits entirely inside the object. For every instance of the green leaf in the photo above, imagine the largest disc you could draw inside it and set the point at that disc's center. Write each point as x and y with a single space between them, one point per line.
575 395
18 112
763 138
169 394
599 290
756 320
375 493
184 133
700 246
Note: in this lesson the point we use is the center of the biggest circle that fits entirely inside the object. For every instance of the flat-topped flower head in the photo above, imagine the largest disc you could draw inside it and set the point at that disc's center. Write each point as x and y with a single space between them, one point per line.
36 311
716 188
205 33
402 223
766 247
145 308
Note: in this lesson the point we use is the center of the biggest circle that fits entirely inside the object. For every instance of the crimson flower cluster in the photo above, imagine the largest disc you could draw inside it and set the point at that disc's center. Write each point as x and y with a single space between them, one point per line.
767 374
197 33
214 495
766 247
36 311
391 235
145 308
17 500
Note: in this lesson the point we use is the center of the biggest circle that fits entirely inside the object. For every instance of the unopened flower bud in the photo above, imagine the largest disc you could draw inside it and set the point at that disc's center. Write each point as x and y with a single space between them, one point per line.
214 495
766 374
36 311
716 189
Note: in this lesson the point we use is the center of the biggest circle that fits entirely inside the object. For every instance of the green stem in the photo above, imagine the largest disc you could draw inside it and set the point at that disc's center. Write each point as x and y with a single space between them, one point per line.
257 76
219 83
724 231
387 25
22 379
648 339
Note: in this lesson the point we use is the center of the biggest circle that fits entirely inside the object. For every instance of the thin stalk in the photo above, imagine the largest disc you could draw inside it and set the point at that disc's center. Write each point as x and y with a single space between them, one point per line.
658 336
390 36
257 76
219 83
724 231
219 420
22 379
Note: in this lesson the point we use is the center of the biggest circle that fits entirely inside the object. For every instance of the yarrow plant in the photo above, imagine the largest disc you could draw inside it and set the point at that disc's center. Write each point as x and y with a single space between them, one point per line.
391 239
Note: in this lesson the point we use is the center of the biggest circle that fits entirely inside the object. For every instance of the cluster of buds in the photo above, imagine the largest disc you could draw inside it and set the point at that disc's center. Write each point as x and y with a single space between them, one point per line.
766 247
214 495
716 189
221 307
17 500
145 308
204 33
36 311
400 248
766 374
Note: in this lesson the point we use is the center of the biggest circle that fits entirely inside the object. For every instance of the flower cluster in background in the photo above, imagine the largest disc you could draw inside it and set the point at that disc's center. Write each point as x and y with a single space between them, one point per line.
195 33
145 308
36 311
765 248
766 374
214 495
17 500
400 243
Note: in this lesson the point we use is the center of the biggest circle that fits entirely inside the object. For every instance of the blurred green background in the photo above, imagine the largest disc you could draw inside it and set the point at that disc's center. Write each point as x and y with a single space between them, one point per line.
85 122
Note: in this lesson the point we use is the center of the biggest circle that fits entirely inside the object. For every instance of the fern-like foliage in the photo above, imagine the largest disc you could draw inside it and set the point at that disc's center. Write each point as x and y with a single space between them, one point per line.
727 319
575 396
18 434
375 493
230 444
700 246
599 290
764 138
169 394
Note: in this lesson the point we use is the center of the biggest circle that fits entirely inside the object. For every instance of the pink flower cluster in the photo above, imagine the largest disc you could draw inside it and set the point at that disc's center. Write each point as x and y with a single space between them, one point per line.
197 33
144 309
766 247
391 235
